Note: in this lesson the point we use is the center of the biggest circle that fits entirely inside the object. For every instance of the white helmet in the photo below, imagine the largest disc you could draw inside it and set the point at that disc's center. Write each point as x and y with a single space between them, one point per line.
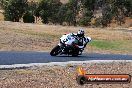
80 33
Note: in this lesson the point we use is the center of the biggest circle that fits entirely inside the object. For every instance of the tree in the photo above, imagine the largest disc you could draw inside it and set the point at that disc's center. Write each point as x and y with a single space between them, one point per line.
3 3
72 12
89 4
119 11
55 6
128 6
85 21
44 10
69 18
28 17
15 10
106 15
88 8
32 6
62 14
48 10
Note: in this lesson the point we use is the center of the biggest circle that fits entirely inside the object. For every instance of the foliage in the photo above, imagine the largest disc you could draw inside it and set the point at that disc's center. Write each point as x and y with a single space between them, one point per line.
15 10
89 4
98 22
69 17
48 10
84 21
28 17
106 15
3 3
88 8
62 14
32 6
71 12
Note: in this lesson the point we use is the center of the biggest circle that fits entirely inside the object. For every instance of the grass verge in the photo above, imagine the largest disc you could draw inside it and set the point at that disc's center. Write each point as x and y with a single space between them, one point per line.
114 46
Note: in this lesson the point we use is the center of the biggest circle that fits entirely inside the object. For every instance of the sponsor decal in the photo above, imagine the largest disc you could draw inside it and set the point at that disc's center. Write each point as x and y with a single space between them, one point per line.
84 77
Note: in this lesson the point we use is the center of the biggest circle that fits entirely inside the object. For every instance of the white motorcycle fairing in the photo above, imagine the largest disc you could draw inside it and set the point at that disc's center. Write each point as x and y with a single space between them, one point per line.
68 40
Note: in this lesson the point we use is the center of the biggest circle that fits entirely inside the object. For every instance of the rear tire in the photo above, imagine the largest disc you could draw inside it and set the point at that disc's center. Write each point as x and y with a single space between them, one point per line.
55 51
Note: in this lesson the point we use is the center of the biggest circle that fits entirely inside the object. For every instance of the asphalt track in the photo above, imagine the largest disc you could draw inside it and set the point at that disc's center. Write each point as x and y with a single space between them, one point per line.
10 58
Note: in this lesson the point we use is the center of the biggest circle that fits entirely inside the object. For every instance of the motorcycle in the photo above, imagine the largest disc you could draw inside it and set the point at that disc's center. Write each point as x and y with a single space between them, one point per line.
69 45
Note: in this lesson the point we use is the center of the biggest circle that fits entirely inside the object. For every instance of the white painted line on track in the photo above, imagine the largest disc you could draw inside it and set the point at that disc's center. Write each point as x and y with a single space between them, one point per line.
59 63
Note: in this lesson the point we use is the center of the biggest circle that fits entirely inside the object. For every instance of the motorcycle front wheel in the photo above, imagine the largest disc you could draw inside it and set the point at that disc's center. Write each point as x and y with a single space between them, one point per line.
55 51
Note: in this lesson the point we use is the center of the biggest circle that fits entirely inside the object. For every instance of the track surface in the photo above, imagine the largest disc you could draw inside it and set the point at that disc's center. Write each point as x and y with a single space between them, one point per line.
9 58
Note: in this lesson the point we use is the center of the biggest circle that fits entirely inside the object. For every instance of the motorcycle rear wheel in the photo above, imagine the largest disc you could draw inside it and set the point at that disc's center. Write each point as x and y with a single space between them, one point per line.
55 51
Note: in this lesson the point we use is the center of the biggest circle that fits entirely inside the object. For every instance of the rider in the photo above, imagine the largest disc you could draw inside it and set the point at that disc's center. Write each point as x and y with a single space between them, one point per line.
80 36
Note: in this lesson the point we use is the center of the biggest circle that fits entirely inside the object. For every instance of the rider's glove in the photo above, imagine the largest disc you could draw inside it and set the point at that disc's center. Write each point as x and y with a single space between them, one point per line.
88 39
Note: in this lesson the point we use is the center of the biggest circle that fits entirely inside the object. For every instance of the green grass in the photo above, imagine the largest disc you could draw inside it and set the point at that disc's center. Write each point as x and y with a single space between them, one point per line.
118 45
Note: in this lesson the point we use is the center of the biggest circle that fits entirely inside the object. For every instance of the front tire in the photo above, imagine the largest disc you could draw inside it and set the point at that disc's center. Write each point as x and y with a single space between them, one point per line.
55 51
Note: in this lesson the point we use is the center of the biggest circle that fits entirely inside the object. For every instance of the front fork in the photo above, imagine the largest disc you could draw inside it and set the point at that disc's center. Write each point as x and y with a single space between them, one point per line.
62 47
